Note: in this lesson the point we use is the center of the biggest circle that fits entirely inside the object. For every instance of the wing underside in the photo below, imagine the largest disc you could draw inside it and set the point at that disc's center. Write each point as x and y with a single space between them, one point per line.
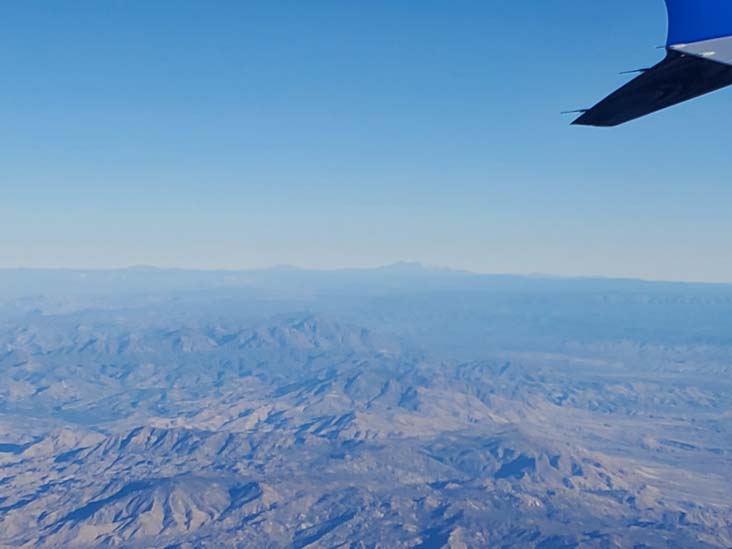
678 78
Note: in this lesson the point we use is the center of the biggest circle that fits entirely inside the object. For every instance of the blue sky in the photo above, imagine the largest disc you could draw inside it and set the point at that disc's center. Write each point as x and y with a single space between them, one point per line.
235 134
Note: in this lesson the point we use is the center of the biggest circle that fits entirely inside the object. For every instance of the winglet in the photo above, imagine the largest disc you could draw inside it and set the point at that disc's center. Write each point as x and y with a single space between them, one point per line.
698 20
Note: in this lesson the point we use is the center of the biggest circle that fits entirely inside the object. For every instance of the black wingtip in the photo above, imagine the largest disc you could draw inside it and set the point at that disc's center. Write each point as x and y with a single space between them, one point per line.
587 121
676 79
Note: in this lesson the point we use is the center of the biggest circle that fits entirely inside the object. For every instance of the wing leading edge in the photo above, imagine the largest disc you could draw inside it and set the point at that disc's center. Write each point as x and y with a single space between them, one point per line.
678 78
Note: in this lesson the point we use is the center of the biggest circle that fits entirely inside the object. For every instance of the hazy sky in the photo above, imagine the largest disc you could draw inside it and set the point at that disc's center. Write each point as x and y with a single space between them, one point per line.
330 133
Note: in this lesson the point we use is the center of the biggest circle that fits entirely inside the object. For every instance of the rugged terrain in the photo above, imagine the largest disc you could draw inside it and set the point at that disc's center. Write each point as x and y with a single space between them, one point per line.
331 413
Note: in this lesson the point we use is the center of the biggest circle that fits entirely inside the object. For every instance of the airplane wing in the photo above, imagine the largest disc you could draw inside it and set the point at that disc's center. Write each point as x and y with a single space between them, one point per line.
676 79
698 61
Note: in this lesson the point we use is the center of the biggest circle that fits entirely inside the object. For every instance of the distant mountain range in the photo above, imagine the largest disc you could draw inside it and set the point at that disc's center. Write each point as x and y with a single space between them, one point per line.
459 412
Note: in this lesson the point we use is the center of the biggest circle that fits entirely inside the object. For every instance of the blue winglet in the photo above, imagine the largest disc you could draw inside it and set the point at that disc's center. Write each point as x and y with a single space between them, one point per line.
697 20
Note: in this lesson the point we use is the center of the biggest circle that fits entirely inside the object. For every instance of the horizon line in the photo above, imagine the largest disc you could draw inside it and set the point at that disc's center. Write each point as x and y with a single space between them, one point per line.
414 265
